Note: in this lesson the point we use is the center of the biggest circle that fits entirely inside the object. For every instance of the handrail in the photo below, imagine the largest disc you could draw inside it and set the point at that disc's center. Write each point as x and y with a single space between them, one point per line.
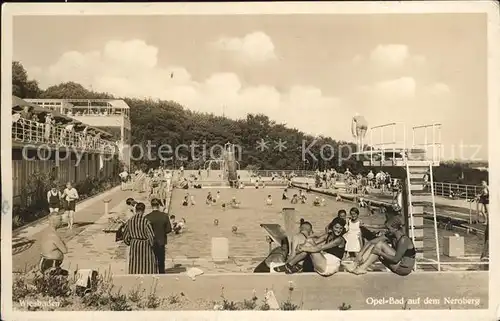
64 107
462 191
435 139
29 131
382 143
436 237
410 202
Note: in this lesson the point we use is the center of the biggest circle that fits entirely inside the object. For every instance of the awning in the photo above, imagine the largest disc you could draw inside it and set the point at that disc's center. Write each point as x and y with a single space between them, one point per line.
18 105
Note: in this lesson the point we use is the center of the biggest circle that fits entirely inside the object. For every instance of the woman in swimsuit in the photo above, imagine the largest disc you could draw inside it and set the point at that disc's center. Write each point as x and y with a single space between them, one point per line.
484 201
396 251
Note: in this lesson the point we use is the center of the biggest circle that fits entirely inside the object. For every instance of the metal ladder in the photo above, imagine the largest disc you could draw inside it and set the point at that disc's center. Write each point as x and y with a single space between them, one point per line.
418 193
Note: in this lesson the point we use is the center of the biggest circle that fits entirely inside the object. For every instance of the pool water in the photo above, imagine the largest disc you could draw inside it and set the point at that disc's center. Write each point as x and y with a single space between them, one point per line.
250 239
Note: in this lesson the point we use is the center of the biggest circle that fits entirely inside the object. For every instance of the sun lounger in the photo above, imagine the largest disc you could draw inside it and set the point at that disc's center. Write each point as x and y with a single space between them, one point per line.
275 231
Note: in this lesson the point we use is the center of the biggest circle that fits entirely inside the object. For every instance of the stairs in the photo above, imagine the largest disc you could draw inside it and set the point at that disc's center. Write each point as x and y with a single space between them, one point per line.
418 196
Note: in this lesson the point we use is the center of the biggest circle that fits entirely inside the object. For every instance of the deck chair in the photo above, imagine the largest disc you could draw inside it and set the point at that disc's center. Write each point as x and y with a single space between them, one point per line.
277 255
275 231
278 235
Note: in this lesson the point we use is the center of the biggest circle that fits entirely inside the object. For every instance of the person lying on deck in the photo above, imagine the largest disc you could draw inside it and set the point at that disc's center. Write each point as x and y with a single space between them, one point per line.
395 250
325 252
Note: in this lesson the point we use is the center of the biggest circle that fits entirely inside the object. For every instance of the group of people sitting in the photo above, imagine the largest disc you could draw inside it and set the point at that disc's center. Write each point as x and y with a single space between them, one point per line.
324 252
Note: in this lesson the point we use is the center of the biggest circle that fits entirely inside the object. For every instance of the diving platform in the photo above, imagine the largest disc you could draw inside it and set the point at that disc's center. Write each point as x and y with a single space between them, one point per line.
390 149
399 157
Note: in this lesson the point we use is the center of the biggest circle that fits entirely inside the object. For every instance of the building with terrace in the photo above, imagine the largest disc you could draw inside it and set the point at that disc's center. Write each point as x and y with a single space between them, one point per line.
110 115
48 141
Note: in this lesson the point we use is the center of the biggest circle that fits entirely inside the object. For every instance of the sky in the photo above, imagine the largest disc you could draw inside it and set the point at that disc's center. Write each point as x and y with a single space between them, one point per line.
312 72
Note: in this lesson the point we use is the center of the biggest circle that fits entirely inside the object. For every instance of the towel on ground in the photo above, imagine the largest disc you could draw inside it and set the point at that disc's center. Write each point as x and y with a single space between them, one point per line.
193 273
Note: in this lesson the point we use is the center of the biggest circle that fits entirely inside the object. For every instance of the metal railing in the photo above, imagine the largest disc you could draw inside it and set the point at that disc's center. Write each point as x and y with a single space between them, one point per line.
433 142
456 190
392 137
32 132
384 145
98 111
269 173
436 238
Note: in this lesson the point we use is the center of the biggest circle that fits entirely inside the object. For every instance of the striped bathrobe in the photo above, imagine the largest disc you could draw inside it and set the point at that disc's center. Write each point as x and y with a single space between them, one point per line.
139 236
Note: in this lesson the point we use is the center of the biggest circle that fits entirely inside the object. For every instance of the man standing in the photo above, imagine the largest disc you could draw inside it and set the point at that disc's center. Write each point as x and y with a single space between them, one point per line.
359 127
70 194
53 248
124 178
161 227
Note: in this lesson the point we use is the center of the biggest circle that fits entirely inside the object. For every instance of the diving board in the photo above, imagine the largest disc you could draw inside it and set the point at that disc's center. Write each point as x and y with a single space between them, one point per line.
393 149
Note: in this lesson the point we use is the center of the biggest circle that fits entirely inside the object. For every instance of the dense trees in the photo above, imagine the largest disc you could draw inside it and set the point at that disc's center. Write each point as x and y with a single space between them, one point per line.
167 122
21 86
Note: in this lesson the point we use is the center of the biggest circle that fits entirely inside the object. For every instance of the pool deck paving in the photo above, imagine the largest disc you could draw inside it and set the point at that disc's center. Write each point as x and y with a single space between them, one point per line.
26 242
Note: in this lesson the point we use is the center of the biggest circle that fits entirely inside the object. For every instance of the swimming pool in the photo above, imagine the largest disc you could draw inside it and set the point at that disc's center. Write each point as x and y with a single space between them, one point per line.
250 239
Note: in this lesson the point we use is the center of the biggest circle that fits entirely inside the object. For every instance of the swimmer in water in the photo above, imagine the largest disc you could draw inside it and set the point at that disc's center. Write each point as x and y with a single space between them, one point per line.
209 198
295 199
269 200
284 196
234 203
316 201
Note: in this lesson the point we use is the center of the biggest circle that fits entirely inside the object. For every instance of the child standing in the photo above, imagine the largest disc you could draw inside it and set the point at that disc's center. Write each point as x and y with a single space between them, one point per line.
353 235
